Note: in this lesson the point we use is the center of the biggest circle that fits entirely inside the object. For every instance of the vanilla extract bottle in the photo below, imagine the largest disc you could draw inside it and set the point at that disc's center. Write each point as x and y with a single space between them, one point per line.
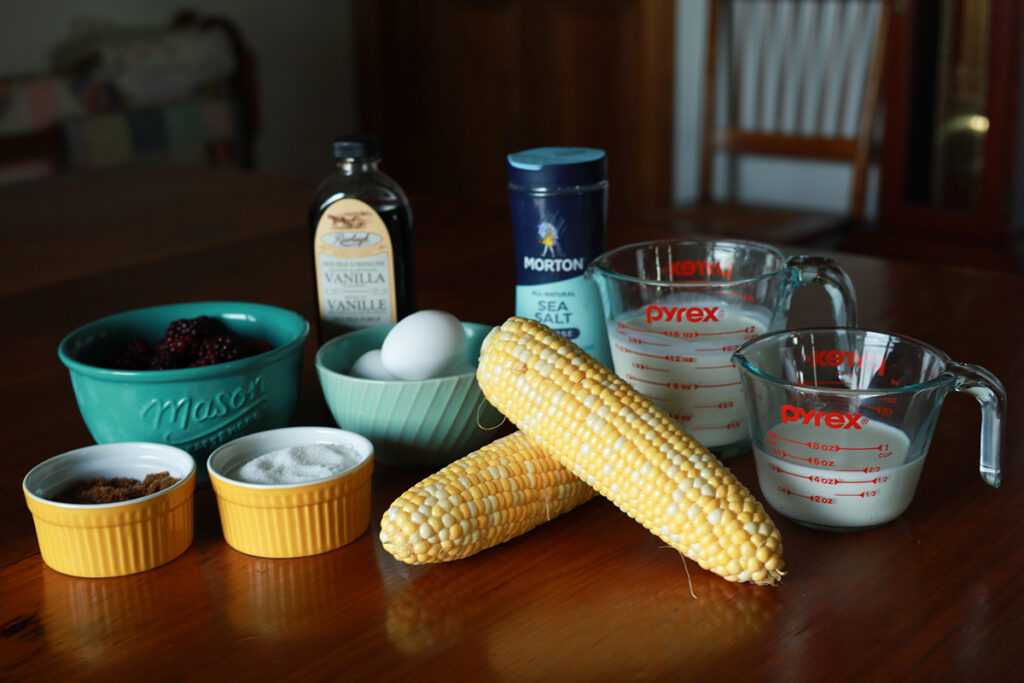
361 225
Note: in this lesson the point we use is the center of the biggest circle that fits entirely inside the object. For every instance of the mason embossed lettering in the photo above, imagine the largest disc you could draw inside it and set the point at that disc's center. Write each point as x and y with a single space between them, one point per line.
186 410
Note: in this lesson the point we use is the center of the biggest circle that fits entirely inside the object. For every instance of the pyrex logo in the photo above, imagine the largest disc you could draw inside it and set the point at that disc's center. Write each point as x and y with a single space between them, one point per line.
832 420
690 267
692 314
835 358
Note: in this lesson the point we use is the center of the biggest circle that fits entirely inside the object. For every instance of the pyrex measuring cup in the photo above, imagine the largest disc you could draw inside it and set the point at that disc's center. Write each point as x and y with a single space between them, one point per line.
841 419
676 310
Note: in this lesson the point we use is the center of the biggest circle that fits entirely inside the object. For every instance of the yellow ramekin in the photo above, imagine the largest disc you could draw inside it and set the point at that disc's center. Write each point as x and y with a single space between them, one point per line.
291 520
112 539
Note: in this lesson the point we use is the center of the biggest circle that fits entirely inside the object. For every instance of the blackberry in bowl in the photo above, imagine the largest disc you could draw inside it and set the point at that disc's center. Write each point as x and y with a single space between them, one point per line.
190 375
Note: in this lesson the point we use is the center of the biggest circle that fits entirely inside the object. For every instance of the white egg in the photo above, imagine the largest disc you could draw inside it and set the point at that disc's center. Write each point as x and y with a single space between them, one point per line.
423 345
369 366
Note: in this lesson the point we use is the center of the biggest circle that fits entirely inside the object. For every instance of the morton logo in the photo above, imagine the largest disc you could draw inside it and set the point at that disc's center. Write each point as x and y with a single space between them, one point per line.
832 420
552 257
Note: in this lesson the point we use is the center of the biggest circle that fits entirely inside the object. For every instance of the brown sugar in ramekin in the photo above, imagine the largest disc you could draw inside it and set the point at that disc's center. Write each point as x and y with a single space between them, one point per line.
102 490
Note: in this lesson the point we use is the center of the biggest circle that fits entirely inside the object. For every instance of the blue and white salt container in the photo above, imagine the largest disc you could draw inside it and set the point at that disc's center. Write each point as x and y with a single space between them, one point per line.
558 198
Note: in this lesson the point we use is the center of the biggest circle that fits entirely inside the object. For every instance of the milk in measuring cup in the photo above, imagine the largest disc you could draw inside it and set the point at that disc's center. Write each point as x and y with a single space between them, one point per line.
838 478
684 364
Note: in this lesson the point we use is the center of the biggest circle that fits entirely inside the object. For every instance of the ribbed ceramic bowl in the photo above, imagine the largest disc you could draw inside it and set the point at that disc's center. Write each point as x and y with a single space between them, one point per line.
112 539
291 520
195 409
412 423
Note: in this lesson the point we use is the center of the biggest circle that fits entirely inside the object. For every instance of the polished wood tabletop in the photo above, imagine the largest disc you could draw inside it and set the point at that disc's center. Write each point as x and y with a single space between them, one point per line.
589 596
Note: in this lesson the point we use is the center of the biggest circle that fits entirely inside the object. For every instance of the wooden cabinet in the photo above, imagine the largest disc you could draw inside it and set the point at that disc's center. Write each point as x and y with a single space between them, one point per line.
951 160
453 86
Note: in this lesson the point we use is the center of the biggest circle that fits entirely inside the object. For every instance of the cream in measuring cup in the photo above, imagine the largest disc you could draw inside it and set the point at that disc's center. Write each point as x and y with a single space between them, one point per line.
676 311
841 420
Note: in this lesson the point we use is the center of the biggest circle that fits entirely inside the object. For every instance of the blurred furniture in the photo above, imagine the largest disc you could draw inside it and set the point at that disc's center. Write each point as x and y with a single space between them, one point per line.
952 168
453 86
785 80
119 96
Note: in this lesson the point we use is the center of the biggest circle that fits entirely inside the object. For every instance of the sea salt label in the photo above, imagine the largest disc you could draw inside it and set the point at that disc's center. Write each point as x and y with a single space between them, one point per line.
299 464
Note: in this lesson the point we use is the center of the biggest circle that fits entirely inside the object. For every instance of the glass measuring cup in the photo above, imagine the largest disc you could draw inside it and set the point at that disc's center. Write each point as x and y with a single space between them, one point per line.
841 419
676 310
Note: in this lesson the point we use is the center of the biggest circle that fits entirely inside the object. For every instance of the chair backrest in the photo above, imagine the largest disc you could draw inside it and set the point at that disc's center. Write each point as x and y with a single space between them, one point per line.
793 78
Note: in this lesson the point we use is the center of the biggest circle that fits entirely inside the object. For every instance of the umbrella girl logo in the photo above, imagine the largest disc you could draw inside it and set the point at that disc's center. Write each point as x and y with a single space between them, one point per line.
552 256
547 235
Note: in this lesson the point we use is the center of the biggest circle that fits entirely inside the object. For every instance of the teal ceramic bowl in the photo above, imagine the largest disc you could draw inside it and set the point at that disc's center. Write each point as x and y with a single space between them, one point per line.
412 423
194 409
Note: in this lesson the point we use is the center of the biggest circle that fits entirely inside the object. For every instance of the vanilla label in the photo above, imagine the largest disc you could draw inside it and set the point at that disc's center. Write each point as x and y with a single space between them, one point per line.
354 263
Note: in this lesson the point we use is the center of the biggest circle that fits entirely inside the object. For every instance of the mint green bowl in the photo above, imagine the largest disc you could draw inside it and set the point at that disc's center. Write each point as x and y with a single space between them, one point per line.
412 423
195 409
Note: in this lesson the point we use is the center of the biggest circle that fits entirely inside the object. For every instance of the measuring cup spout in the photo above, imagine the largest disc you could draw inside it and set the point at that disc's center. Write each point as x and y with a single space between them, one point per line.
988 390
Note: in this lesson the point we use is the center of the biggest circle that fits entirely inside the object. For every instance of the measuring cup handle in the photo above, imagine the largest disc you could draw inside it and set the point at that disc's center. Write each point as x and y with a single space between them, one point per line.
986 387
820 270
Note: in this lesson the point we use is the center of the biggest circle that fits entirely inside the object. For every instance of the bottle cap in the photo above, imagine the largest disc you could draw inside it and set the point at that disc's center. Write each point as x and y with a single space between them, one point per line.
356 146
552 167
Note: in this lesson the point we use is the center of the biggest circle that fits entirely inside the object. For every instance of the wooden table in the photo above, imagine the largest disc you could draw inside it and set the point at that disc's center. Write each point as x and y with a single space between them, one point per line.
588 596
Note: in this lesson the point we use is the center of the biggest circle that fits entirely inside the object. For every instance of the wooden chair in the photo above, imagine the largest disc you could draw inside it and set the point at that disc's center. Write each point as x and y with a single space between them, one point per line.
787 78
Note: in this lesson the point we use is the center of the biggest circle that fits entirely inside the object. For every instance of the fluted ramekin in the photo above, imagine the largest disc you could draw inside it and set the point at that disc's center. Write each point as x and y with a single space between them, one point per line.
112 539
291 520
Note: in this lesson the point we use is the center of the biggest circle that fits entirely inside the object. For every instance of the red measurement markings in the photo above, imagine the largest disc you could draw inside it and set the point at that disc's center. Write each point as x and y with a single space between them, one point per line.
810 460
657 356
682 386
709 386
745 330
731 425
674 334
828 481
638 340
881 410
721 406
862 494
829 448
714 367
641 366
723 349
651 397
634 378
824 500
624 326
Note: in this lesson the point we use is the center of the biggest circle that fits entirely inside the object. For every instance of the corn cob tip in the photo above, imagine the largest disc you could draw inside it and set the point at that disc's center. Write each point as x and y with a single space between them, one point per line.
490 496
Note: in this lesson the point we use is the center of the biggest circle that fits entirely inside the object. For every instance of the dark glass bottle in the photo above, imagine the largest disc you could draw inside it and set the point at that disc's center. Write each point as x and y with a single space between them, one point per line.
361 226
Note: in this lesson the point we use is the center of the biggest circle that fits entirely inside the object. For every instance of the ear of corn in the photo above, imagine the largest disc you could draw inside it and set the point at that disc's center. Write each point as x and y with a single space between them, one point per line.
628 450
488 497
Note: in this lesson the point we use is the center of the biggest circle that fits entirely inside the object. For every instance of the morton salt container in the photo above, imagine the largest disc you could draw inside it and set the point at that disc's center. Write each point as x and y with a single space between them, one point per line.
558 198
